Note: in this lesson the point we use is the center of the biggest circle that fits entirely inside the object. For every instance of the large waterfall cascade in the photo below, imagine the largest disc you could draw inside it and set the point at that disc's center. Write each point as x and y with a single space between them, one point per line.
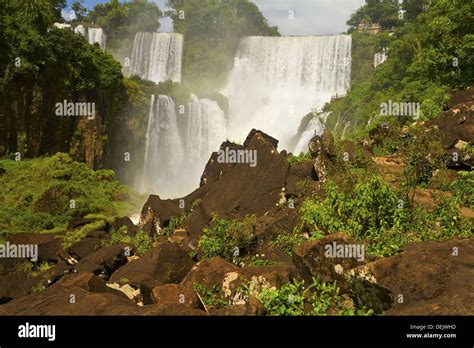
275 81
177 152
93 35
157 56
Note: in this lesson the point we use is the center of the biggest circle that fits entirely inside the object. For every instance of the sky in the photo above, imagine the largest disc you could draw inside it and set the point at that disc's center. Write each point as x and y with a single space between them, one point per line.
293 17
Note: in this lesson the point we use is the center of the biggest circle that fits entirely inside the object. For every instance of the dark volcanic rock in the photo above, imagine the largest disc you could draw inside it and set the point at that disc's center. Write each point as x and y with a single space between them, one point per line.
157 212
84 247
14 285
460 97
105 260
432 278
323 154
311 260
299 172
175 294
57 300
132 230
49 245
233 190
456 124
164 263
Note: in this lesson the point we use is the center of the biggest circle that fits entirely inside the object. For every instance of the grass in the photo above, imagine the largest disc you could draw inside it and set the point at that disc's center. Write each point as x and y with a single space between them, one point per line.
43 194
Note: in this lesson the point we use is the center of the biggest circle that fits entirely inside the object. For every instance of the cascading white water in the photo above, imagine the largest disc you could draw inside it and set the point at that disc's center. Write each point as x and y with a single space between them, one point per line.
277 80
315 127
157 56
177 152
93 35
164 153
96 35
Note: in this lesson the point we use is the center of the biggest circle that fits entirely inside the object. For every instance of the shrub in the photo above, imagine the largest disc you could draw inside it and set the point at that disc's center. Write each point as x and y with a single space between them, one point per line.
213 298
319 298
224 237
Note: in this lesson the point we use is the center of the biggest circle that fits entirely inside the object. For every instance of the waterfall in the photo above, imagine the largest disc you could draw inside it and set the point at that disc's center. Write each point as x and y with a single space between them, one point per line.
275 81
315 127
157 56
379 58
96 35
164 155
93 35
176 150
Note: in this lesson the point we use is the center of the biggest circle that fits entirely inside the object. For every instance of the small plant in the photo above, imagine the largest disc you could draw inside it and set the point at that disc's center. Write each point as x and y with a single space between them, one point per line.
319 298
196 203
74 236
227 238
293 159
213 298
175 222
260 262
141 242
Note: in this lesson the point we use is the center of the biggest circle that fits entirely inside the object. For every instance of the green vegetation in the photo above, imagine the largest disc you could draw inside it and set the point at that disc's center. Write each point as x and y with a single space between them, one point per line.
212 30
227 238
255 262
318 298
293 159
213 298
44 193
175 222
35 55
140 243
121 21
428 54
74 236
373 212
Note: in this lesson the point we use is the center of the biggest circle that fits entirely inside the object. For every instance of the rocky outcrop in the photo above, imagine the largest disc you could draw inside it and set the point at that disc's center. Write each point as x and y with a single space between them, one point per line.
433 278
166 263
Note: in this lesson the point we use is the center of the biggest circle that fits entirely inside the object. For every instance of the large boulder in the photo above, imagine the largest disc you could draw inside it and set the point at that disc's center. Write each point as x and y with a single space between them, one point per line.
104 261
233 190
328 257
49 244
157 212
163 264
431 278
323 154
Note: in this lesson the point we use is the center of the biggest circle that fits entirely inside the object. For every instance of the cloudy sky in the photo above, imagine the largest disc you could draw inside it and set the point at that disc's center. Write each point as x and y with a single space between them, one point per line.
308 17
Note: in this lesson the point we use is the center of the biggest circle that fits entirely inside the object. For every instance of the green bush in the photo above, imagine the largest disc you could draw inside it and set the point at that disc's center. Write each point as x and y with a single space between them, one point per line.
213 298
319 298
224 237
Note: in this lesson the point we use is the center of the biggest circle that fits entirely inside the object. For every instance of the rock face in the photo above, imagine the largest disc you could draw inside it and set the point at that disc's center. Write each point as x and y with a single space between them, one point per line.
231 190
427 278
323 153
323 257
164 264
104 261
